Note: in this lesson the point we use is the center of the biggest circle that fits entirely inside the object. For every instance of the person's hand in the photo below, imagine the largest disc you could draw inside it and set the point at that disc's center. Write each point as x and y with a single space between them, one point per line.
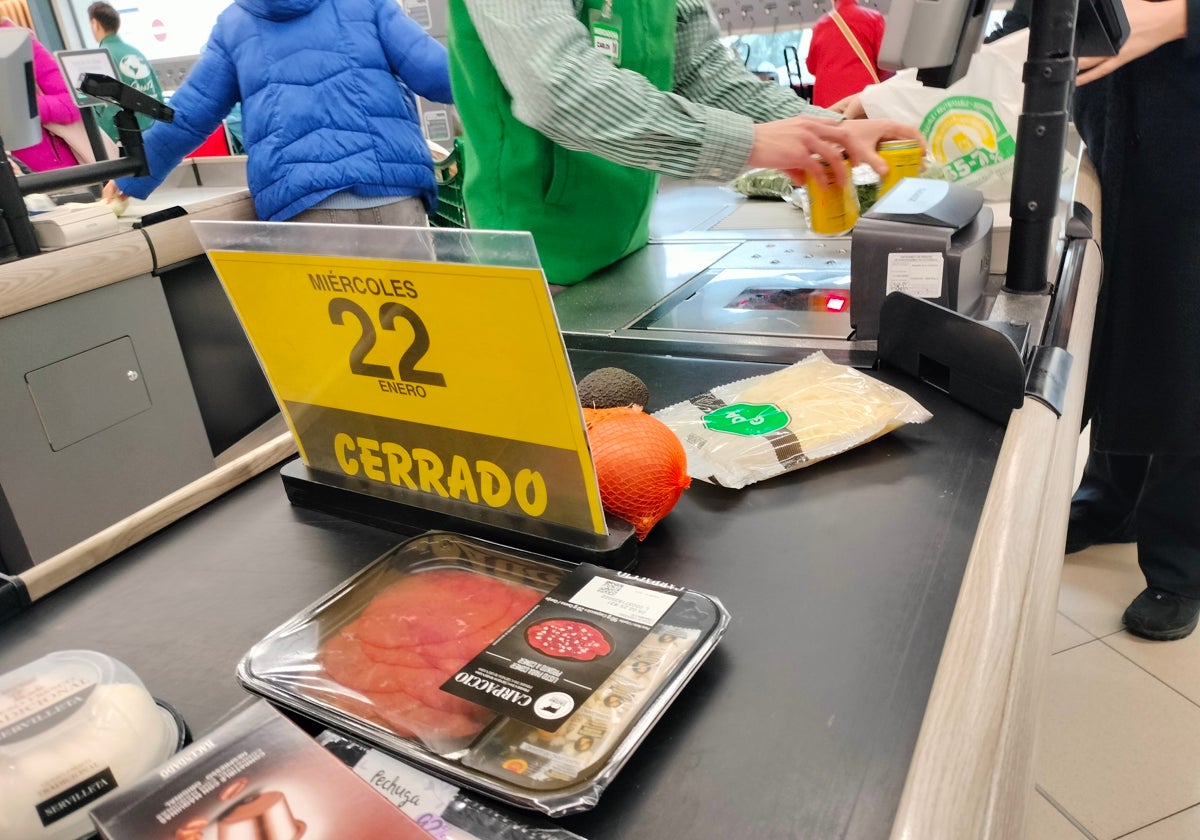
16 169
1151 24
868 134
796 143
851 107
112 193
791 144
114 198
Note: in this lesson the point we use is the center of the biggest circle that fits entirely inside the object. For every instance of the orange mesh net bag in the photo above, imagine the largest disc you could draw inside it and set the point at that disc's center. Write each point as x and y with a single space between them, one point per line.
640 465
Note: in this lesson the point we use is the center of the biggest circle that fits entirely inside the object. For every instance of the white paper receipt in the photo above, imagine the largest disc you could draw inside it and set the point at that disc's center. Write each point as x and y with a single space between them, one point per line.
919 275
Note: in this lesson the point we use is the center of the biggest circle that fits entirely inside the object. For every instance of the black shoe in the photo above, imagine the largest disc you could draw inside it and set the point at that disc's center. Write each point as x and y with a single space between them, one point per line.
1162 616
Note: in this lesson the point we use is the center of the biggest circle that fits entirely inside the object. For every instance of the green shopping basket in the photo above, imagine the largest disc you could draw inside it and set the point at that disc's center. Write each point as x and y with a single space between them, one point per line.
451 210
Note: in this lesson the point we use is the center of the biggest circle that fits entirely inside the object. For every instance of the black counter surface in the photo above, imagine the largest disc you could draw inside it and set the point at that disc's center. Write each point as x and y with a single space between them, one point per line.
840 577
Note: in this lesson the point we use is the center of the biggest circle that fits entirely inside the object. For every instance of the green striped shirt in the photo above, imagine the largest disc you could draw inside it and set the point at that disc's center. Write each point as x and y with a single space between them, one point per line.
561 86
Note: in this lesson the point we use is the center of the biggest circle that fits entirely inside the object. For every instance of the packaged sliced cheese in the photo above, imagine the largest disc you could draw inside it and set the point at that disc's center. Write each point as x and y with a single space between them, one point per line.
752 429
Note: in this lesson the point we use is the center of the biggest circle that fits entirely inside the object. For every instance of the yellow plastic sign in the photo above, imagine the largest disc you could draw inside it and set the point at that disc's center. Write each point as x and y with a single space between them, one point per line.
439 378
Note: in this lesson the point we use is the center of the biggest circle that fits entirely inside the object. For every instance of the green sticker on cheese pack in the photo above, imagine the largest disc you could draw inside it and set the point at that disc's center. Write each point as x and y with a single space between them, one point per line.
747 419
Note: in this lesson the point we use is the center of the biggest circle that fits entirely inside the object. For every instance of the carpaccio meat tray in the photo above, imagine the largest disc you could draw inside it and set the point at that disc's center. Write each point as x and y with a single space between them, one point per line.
523 678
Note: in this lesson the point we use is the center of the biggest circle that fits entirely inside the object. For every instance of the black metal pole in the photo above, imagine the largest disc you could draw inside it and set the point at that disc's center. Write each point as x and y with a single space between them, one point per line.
134 163
12 189
77 176
1041 137
93 133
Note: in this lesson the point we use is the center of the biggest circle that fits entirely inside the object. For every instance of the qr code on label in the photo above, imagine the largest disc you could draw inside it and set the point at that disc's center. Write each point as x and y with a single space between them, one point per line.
611 587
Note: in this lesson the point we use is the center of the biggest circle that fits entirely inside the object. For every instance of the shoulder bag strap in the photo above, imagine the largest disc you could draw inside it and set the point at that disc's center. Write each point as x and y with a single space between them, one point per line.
857 47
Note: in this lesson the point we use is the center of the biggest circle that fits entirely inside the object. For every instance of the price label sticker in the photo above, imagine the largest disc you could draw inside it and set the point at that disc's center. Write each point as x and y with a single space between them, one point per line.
439 378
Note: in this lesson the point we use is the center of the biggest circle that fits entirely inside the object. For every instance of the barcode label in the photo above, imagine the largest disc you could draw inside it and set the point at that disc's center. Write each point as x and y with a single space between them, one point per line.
625 601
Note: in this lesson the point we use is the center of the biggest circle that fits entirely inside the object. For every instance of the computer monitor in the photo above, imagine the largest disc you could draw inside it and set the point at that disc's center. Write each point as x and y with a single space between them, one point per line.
939 36
75 63
20 127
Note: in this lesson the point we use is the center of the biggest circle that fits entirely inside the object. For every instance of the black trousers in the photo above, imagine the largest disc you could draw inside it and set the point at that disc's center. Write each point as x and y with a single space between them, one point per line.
1154 499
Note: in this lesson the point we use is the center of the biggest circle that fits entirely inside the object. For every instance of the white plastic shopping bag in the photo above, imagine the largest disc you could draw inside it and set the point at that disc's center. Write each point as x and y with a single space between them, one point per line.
971 126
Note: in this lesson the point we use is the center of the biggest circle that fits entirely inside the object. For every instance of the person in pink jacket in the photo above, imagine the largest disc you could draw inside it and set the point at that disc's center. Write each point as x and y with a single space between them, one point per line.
55 105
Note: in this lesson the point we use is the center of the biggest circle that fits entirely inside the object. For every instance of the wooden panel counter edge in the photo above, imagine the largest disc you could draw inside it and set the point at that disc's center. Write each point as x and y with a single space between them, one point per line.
972 770
48 575
54 275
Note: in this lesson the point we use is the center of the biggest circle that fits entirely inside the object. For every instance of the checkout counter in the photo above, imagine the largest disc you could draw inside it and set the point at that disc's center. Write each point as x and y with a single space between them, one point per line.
892 607
117 351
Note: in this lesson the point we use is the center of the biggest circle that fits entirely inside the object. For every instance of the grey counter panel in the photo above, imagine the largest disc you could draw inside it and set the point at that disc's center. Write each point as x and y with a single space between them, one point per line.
89 392
68 470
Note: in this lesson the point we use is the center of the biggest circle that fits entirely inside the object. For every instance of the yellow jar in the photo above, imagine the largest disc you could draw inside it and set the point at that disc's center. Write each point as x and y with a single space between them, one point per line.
903 158
832 210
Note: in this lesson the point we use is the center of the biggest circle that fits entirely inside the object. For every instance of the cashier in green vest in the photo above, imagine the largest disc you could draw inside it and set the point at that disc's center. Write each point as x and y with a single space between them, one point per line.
571 109
132 67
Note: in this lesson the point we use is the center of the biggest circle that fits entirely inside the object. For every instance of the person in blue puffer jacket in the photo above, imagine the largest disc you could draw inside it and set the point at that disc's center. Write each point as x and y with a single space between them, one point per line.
330 124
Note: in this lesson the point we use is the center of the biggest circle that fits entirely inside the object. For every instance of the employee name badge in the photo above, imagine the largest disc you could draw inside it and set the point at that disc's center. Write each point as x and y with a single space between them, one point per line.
437 378
606 32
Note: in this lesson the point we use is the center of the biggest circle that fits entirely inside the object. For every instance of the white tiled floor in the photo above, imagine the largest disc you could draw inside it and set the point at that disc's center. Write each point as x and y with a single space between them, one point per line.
1119 743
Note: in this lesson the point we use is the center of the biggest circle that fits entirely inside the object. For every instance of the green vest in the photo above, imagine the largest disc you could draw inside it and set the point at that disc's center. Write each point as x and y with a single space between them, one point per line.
584 212
134 70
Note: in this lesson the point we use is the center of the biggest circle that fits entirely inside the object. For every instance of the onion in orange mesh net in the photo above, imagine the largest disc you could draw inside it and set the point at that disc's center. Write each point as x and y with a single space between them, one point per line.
640 465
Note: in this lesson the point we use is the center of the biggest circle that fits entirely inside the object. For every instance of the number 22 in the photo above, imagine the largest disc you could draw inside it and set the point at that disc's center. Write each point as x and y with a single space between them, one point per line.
388 313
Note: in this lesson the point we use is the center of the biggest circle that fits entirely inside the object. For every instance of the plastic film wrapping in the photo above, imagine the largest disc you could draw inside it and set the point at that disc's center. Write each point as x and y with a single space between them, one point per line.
757 428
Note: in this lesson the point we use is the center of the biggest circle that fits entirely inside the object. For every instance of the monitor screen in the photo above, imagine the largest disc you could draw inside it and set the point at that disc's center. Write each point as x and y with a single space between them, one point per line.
19 123
939 36
936 36
75 63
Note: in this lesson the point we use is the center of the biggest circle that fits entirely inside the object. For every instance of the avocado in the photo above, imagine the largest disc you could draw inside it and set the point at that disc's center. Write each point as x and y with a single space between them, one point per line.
612 387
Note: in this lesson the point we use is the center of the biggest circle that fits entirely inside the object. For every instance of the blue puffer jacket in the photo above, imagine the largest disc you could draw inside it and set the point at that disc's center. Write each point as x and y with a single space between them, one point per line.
322 109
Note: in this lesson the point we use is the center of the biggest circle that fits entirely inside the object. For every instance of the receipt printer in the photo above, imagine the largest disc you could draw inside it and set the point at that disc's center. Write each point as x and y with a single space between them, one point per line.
927 238
74 224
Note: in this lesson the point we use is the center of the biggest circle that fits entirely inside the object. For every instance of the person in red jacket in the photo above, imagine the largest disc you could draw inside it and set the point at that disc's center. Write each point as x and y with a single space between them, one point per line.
833 54
56 105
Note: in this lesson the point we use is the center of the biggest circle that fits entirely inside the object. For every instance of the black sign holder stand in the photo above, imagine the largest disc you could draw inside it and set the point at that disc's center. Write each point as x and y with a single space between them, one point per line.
409 512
